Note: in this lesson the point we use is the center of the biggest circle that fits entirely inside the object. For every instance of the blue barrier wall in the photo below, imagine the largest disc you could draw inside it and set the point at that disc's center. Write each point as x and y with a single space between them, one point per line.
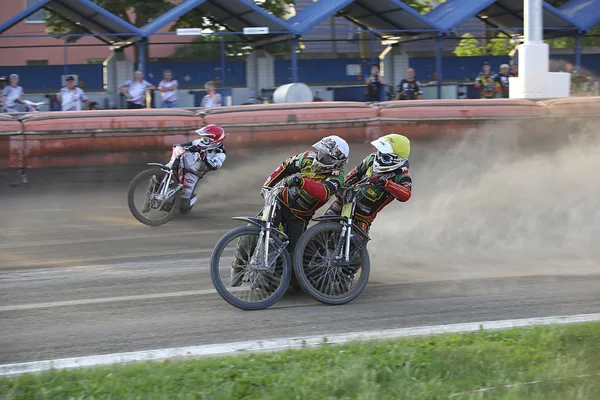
321 71
48 77
197 73
467 68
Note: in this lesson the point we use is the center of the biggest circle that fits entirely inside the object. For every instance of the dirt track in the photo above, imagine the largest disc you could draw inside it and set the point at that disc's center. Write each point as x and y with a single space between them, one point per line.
493 231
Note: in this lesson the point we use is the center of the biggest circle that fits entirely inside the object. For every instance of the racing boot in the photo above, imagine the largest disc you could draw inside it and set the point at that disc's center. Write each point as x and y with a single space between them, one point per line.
187 204
237 272
152 188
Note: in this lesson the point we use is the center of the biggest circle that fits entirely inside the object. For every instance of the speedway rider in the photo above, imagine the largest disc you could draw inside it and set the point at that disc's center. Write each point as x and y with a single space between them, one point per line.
311 178
202 155
387 170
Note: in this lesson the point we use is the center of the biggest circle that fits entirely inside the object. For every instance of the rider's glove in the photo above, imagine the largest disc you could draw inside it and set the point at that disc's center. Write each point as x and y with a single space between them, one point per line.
194 149
376 180
293 180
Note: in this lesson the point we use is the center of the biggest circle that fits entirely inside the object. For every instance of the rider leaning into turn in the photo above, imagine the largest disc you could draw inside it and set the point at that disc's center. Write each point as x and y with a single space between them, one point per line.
203 155
311 178
387 170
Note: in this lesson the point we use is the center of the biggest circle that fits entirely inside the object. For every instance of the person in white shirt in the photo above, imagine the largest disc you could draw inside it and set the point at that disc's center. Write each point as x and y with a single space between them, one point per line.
212 98
136 90
12 95
72 97
168 90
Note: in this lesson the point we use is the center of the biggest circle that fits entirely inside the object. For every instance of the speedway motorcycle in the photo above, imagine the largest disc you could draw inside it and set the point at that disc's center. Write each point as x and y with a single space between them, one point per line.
331 261
154 195
258 252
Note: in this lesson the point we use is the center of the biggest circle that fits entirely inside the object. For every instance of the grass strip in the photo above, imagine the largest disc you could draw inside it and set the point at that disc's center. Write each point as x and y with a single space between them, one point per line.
418 368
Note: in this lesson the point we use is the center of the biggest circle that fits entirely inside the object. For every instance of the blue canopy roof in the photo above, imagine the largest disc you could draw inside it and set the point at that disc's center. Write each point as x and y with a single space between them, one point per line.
84 14
378 15
235 15
585 12
496 13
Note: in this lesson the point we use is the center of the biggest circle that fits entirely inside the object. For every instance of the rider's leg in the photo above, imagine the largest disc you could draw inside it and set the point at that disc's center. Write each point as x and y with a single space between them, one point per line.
335 208
195 169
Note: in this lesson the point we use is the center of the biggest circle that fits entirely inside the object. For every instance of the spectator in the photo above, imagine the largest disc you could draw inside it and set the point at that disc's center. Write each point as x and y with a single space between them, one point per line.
578 82
12 95
72 97
491 89
136 90
168 90
482 78
409 88
373 82
3 82
212 98
514 70
502 80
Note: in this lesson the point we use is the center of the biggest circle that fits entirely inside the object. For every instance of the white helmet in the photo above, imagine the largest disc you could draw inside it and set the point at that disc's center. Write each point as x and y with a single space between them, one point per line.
332 153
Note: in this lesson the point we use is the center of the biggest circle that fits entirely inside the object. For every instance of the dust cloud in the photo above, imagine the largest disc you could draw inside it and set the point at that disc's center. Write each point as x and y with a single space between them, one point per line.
492 205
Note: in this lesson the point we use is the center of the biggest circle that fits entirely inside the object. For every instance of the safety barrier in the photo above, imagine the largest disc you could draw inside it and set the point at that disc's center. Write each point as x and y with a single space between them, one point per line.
135 136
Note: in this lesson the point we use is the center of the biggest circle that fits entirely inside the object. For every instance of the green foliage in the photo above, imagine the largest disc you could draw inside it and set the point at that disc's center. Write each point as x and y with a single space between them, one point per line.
421 6
469 46
143 11
418 368
592 38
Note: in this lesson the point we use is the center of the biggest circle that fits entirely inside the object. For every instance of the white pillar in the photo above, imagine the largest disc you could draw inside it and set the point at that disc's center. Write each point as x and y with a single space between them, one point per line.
534 81
260 71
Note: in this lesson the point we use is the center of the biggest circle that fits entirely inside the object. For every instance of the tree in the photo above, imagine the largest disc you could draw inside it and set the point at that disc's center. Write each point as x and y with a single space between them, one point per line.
140 12
468 46
136 12
501 45
422 6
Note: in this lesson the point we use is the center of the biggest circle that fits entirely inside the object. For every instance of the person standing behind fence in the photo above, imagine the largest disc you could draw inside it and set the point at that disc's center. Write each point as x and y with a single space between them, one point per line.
409 88
12 95
514 70
136 90
212 98
168 90
482 79
72 97
502 80
491 89
373 82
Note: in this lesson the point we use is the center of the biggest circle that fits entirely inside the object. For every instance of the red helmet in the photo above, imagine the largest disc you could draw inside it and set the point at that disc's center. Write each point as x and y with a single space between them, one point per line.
212 135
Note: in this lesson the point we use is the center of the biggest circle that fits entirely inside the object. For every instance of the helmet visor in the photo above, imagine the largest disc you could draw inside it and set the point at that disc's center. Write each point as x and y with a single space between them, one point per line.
387 160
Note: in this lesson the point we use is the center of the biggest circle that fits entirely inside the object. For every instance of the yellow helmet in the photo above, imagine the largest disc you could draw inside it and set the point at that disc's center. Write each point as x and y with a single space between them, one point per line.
392 152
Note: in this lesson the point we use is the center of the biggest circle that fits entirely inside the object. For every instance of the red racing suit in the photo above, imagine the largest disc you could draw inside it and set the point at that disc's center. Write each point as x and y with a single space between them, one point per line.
301 202
397 186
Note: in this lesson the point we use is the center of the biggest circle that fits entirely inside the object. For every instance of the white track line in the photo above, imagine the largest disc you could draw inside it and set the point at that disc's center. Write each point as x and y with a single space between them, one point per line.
228 349
100 300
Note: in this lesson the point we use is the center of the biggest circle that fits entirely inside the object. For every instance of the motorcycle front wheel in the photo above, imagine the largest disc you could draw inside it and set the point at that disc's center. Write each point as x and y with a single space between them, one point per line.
142 202
237 279
322 276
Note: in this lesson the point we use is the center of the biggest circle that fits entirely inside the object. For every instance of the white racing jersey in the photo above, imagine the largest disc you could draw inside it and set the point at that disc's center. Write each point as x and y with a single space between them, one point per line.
170 96
72 100
137 90
11 94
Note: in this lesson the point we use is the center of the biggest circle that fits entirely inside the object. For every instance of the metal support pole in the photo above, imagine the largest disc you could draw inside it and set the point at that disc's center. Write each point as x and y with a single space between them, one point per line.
66 59
142 56
294 42
222 61
372 47
578 50
532 19
438 64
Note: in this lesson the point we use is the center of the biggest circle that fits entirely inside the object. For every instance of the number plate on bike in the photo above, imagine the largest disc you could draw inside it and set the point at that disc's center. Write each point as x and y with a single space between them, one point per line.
347 210
266 212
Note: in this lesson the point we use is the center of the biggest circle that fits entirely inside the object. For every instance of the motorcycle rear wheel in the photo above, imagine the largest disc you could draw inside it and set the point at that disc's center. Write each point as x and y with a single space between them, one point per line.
143 178
320 276
255 290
